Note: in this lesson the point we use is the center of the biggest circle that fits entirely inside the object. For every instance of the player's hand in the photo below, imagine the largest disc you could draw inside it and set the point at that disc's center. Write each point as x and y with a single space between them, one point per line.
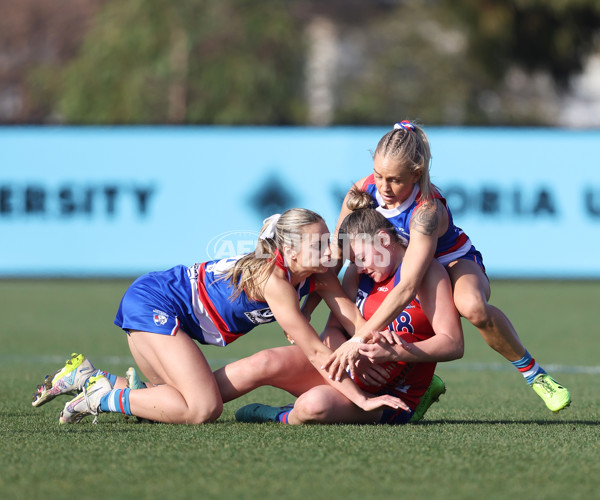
369 373
378 353
377 402
344 357
383 352
385 336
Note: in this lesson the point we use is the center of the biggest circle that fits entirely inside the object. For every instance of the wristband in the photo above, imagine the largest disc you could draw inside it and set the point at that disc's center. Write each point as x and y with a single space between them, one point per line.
357 340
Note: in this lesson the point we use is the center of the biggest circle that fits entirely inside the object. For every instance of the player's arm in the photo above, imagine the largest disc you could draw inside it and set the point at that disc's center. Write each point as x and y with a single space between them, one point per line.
283 302
334 334
427 223
435 297
328 287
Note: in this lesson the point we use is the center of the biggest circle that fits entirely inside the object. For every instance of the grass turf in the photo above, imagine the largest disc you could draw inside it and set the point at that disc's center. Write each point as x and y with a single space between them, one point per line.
490 436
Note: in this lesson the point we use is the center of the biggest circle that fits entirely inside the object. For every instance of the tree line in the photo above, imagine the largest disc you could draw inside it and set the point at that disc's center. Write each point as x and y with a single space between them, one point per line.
291 62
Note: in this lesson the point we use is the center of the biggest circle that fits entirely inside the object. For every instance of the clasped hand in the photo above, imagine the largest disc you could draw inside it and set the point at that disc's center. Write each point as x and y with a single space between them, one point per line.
385 348
379 349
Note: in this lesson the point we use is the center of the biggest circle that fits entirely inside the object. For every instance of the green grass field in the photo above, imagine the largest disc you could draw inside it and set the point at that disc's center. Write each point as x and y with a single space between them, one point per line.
489 437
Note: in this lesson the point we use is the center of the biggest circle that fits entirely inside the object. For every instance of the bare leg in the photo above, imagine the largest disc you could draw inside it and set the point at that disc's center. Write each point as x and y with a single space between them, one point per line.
286 368
471 295
120 383
186 390
324 405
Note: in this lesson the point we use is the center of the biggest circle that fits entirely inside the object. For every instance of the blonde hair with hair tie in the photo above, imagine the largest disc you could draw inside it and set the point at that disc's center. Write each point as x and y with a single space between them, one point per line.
407 143
253 269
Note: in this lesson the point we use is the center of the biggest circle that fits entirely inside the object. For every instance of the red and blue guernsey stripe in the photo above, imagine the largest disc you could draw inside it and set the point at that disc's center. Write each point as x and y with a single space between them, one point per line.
234 317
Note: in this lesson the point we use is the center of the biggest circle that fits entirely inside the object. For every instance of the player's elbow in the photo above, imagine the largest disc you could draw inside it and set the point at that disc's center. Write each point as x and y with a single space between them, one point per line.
454 348
458 349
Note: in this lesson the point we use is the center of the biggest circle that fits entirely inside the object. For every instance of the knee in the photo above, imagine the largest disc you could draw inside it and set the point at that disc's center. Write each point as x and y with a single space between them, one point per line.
265 364
311 407
475 310
204 414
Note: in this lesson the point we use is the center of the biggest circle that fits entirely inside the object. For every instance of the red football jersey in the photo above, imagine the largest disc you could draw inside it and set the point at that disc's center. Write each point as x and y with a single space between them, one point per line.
408 381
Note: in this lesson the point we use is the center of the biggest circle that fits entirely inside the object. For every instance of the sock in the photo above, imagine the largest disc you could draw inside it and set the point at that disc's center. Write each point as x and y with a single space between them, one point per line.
283 416
116 401
111 378
528 367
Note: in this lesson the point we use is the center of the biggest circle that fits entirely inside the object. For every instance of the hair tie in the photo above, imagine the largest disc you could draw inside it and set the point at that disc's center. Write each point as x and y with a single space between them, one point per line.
269 231
405 125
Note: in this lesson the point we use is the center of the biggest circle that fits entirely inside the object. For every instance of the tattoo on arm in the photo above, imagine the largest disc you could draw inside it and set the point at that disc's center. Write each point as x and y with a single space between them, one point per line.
426 219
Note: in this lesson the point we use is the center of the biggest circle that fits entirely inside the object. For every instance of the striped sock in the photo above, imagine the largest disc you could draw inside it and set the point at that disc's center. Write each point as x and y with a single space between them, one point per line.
111 378
116 401
528 367
283 416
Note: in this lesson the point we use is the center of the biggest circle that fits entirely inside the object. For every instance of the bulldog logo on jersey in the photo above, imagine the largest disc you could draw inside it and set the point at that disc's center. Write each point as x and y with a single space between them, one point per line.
259 316
160 317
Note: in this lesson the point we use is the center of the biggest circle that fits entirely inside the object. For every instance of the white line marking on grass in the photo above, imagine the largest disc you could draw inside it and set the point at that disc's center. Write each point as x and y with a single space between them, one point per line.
60 360
505 367
96 360
457 366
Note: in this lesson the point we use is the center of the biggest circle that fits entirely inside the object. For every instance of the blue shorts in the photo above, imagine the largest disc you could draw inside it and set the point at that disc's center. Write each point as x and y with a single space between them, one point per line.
474 255
145 307
160 302
395 417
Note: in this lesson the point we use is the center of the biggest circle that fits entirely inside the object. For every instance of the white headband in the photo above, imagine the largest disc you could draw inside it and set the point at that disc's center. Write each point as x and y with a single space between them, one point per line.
269 231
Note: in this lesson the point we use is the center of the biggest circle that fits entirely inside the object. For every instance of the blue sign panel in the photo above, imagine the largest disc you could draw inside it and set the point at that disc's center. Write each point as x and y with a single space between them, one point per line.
123 201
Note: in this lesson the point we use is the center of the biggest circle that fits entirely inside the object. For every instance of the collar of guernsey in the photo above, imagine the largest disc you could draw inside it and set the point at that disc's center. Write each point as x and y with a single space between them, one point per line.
281 264
391 212
451 246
